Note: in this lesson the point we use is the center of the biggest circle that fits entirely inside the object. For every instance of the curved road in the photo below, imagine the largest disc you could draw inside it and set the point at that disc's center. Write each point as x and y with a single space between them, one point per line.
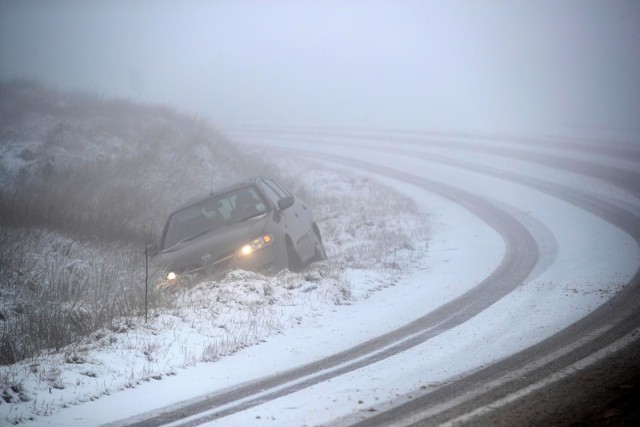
542 383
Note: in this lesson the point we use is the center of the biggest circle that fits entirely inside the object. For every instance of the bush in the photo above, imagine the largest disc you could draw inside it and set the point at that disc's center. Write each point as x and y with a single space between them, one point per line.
56 290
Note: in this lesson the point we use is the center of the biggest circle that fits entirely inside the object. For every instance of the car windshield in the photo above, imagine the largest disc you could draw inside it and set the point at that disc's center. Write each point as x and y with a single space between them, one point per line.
209 214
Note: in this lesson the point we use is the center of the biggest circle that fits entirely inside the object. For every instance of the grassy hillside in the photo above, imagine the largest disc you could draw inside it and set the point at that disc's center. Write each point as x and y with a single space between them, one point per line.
85 182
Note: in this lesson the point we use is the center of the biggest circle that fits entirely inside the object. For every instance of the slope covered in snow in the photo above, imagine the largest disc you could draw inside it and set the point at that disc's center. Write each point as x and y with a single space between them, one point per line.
72 314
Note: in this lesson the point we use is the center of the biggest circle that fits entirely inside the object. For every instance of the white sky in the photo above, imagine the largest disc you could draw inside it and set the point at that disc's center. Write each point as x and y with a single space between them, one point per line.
401 64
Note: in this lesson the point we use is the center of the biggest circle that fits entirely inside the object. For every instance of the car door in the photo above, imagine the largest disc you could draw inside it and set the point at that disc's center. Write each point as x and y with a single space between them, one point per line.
304 218
289 217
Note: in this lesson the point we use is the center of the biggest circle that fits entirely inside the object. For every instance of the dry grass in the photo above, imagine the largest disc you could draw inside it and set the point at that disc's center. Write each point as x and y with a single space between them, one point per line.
86 182
56 290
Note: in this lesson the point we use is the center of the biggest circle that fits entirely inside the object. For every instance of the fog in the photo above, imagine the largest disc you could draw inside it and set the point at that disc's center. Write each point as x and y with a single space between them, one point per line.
381 64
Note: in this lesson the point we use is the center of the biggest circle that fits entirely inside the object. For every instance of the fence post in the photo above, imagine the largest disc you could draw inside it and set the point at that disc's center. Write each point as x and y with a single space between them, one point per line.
146 282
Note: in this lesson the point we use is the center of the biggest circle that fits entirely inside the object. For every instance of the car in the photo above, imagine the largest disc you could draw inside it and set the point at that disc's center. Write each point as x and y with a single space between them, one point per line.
255 225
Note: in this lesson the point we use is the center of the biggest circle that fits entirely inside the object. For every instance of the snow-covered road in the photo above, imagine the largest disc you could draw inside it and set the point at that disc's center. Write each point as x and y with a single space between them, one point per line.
534 257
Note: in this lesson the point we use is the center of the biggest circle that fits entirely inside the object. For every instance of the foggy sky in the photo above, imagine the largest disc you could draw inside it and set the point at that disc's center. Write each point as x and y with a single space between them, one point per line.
381 64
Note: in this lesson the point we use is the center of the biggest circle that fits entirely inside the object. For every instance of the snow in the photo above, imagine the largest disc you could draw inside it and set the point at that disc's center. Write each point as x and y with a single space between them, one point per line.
576 274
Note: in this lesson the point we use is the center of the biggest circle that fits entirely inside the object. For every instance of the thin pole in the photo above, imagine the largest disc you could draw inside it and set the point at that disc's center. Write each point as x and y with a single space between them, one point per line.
146 281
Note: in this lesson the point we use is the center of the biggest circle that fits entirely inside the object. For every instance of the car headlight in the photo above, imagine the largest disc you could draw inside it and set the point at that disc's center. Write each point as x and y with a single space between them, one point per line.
170 280
255 245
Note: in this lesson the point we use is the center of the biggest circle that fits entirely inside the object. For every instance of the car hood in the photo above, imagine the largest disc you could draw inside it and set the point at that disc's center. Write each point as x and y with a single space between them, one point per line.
213 246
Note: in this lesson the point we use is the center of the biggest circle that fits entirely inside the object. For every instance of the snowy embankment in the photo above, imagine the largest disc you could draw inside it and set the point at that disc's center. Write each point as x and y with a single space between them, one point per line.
87 181
372 243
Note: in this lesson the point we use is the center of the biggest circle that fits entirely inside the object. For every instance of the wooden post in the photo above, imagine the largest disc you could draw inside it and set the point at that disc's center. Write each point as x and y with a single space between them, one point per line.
146 282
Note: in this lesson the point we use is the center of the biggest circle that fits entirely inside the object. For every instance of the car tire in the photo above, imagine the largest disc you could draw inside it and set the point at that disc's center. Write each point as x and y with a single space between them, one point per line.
321 254
295 262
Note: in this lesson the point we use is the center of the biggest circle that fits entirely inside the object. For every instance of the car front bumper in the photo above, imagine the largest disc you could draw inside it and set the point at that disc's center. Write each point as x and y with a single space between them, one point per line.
262 260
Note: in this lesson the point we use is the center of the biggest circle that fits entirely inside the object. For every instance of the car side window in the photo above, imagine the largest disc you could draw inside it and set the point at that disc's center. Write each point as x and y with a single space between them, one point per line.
278 189
270 193
225 207
281 189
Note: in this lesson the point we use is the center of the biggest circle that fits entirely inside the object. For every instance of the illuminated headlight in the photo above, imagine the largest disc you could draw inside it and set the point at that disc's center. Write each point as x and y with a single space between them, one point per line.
170 280
255 245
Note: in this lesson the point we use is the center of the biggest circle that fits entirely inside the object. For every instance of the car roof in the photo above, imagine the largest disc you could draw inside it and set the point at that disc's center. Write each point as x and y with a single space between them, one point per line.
217 192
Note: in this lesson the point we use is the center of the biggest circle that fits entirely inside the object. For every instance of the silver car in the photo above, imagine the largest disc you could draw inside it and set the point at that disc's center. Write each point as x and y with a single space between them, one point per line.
254 225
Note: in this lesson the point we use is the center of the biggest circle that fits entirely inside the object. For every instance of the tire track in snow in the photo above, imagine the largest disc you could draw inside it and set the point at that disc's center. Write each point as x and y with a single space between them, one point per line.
546 359
614 321
519 261
621 316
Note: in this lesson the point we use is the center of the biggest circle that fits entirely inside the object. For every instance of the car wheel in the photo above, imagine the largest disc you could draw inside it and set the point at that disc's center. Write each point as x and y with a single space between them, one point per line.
295 262
321 254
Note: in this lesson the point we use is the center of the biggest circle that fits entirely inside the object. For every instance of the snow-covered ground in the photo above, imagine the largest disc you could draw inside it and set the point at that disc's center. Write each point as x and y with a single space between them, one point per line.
584 261
369 248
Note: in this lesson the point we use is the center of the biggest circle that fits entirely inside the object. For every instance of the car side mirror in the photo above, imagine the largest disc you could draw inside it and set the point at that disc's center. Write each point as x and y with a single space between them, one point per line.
285 203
